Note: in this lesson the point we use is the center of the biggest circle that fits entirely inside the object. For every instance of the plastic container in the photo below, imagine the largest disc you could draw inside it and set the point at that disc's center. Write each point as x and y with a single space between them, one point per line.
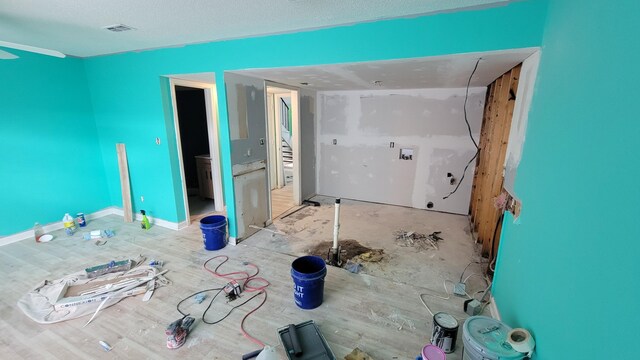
432 352
308 274
214 232
69 224
485 338
37 232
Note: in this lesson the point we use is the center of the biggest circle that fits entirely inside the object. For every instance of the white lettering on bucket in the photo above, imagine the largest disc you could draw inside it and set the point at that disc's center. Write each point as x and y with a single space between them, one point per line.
298 291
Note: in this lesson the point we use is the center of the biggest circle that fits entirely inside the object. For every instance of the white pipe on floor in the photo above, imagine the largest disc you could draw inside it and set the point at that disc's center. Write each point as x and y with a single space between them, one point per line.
336 225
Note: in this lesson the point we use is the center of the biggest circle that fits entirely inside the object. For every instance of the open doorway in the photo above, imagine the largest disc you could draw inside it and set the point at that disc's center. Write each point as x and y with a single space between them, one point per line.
282 157
196 138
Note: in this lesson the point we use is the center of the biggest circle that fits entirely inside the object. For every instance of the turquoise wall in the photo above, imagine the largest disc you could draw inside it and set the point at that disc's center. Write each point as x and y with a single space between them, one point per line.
51 161
569 270
128 99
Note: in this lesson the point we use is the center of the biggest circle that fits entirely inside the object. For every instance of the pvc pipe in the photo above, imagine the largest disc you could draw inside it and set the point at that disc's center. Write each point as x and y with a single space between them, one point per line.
336 225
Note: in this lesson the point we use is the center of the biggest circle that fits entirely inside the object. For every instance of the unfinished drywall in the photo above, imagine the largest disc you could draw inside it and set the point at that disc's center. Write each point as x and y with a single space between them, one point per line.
307 144
361 135
246 102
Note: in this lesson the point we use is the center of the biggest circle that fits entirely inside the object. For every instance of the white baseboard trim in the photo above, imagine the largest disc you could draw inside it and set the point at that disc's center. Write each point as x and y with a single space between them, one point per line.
233 241
112 210
493 309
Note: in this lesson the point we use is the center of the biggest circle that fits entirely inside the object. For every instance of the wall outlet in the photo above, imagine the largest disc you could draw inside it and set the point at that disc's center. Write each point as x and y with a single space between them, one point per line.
335 141
142 198
392 144
157 141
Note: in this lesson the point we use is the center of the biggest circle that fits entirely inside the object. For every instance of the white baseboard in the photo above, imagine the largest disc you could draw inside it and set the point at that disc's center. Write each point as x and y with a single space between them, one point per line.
112 210
493 309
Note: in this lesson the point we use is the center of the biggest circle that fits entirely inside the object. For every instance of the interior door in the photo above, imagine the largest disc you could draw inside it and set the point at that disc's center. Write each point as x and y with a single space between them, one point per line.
247 127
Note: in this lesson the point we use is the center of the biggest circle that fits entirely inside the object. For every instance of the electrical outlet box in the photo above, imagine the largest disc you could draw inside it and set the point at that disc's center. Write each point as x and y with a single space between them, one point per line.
460 289
473 308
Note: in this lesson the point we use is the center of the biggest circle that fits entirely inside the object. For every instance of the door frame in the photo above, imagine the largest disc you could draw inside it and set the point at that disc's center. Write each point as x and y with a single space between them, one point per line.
295 142
211 107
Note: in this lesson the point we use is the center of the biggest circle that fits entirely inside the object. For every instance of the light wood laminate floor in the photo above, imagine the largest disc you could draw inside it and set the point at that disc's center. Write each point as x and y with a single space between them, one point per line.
381 316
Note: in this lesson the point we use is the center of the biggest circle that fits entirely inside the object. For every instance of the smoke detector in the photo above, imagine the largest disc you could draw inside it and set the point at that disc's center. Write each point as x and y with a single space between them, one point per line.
118 28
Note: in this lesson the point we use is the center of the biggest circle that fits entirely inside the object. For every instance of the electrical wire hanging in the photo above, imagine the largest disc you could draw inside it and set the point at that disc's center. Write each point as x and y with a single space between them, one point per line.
466 120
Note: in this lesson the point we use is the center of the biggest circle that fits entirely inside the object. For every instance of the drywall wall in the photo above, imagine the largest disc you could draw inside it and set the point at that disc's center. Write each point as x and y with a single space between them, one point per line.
307 143
50 159
568 271
356 159
129 97
246 103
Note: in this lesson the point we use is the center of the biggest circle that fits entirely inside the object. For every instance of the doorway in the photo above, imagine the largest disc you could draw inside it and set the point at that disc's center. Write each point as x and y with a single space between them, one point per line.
283 145
196 137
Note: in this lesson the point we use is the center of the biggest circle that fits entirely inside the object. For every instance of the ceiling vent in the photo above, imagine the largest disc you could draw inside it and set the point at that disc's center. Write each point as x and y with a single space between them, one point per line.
118 28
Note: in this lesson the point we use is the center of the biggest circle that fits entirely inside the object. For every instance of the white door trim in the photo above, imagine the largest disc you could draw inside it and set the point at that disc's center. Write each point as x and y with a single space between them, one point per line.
295 130
211 106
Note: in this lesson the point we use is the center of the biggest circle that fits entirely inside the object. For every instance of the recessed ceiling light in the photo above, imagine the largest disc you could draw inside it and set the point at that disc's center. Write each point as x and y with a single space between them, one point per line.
118 28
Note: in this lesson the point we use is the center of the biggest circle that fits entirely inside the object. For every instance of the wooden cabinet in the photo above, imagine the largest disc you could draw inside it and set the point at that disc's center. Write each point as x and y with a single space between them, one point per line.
205 180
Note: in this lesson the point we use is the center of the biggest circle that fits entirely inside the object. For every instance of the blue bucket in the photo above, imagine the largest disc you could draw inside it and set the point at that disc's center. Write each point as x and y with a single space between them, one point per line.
308 274
214 232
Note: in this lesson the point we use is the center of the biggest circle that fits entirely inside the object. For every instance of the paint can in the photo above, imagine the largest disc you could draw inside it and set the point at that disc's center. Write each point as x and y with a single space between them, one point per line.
445 332
81 220
485 338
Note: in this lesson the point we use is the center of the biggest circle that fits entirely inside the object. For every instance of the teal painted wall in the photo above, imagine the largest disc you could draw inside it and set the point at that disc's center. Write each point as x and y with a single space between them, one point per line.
128 100
569 270
50 156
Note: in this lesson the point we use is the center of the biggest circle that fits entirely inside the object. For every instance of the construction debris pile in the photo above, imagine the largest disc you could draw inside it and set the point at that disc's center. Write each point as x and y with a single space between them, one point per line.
418 240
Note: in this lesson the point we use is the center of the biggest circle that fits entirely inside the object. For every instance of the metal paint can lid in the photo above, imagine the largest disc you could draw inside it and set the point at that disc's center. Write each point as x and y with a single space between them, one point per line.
486 338
445 320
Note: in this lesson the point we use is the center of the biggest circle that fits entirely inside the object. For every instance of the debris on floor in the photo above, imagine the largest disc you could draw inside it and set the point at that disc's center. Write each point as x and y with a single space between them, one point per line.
418 240
373 255
358 354
353 267
350 249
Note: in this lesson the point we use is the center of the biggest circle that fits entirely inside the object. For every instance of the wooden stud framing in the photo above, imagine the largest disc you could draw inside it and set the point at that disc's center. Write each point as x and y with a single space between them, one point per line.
489 174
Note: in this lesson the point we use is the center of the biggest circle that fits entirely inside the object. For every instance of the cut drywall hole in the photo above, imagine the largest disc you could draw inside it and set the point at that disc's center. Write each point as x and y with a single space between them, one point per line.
392 144
406 154
449 175
452 181
304 83
335 141
262 142
429 205
157 141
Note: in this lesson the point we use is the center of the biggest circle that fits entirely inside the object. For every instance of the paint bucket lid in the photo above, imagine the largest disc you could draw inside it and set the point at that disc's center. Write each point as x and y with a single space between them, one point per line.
488 337
432 352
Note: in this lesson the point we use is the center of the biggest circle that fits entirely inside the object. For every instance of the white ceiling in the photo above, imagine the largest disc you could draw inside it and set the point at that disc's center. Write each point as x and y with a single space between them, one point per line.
74 27
451 71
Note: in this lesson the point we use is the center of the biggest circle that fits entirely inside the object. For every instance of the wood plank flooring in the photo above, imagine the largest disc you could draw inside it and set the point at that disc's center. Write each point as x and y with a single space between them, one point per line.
380 316
281 200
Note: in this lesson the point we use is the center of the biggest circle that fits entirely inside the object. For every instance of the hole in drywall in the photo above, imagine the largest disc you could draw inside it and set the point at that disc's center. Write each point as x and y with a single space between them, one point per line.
429 205
449 174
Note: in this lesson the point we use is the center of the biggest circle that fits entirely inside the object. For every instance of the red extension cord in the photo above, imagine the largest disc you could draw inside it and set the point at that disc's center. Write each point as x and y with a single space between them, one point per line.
245 278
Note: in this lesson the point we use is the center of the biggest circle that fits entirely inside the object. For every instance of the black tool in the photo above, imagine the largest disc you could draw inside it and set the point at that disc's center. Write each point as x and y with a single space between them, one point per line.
251 355
295 342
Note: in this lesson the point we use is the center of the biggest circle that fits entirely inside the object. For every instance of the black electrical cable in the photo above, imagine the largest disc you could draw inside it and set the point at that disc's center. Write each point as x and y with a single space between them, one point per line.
464 172
211 303
230 311
192 295
466 120
466 97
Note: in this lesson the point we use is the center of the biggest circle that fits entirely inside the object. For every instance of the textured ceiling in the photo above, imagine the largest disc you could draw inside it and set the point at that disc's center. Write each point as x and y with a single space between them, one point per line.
74 27
450 71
